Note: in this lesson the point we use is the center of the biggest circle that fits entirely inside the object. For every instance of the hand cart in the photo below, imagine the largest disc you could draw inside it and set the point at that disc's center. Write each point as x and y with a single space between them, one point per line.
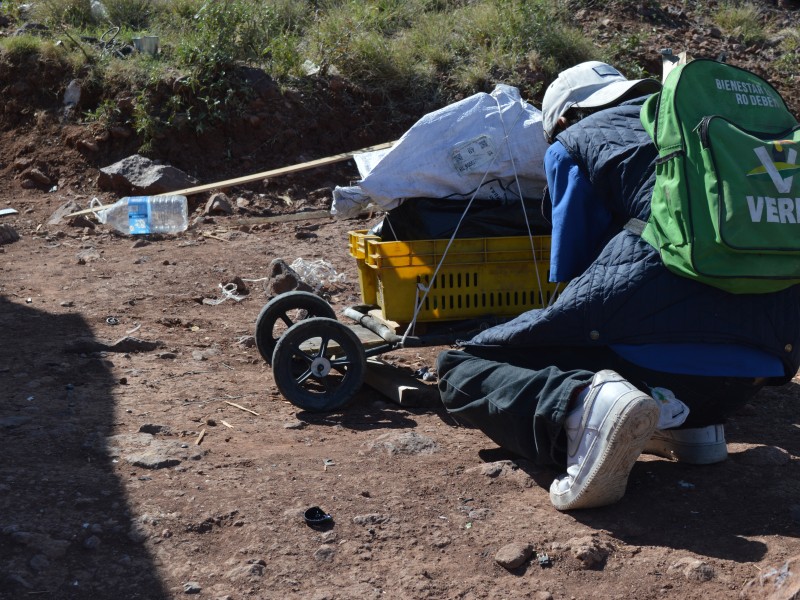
440 291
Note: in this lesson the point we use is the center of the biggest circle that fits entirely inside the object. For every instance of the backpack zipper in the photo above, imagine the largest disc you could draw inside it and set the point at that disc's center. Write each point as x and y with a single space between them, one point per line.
705 139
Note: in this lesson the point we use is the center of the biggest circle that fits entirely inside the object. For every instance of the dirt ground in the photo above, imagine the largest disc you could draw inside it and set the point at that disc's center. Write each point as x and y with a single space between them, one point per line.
107 488
147 453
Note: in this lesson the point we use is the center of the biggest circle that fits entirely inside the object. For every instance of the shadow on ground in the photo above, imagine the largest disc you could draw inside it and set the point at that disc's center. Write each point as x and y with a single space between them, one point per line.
65 529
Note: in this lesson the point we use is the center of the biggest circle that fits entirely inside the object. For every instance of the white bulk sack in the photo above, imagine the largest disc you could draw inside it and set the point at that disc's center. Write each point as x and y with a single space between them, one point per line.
489 146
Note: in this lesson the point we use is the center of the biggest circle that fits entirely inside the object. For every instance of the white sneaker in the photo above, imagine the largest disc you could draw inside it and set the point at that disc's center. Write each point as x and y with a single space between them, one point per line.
699 446
604 438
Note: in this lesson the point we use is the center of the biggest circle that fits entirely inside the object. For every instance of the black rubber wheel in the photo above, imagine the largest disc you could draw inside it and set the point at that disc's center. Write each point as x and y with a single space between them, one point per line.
319 364
282 312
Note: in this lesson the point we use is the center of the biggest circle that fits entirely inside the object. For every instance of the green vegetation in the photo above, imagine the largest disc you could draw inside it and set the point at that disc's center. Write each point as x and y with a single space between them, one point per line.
788 65
418 53
741 20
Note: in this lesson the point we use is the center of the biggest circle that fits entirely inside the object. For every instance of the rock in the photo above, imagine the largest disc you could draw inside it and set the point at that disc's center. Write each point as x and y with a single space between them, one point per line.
513 555
248 572
775 583
764 456
478 514
192 587
328 537
62 211
409 442
494 469
82 221
137 174
8 235
370 519
21 164
294 425
89 255
692 569
138 533
218 204
72 95
153 429
325 552
284 279
247 341
38 176
143 450
88 145
39 562
591 551
92 542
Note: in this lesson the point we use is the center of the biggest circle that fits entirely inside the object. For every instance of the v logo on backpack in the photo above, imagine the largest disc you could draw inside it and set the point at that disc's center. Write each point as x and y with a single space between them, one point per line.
726 204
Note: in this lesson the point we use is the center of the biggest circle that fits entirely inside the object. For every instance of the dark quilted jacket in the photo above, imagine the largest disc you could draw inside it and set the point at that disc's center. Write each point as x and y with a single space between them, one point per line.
627 295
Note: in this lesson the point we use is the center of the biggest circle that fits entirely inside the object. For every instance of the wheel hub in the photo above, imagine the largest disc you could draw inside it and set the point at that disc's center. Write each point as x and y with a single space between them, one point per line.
320 367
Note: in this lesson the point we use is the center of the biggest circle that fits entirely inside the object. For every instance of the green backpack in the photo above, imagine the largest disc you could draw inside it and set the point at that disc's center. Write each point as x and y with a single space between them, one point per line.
726 203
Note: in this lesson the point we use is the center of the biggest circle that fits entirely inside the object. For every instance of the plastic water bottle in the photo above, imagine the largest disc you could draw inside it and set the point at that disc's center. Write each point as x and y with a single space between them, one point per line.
147 214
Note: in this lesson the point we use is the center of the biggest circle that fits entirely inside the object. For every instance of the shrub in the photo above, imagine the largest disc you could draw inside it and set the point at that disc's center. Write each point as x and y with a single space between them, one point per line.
741 20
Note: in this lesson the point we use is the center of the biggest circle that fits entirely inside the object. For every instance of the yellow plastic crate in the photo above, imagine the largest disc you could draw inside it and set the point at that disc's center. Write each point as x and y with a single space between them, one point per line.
479 277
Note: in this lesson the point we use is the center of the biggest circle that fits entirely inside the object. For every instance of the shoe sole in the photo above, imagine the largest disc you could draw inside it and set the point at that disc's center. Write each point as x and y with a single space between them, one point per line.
619 443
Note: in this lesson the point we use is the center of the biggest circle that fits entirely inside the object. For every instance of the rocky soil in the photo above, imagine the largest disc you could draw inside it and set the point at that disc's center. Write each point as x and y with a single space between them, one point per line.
147 452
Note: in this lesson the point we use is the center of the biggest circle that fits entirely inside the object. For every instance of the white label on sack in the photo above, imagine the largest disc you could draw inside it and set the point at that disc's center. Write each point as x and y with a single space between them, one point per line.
473 155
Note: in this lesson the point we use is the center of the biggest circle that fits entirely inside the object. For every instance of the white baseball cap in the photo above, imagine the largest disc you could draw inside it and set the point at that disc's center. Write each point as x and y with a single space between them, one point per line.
591 84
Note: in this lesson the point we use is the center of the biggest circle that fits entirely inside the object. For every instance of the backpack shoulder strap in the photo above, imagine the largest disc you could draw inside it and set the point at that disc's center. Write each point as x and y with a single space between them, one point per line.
635 226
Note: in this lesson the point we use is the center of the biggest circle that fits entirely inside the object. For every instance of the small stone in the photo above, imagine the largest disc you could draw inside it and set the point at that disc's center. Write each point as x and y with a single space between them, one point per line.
513 555
693 569
328 537
192 587
38 176
88 145
92 542
325 552
39 562
8 234
218 204
294 425
370 519
765 456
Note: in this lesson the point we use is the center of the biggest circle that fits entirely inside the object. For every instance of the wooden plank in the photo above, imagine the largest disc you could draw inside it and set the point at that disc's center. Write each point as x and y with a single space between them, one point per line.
312 164
286 218
399 386
368 339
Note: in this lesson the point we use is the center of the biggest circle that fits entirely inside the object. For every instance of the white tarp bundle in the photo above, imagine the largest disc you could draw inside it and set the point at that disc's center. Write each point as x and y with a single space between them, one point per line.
487 146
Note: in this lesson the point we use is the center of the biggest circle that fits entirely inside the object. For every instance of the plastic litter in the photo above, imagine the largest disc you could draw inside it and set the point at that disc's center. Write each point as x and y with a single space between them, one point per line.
317 518
228 293
317 273
145 214
544 560
488 144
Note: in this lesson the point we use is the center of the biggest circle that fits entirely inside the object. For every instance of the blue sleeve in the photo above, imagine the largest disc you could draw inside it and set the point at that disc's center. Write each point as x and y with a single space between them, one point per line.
580 220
